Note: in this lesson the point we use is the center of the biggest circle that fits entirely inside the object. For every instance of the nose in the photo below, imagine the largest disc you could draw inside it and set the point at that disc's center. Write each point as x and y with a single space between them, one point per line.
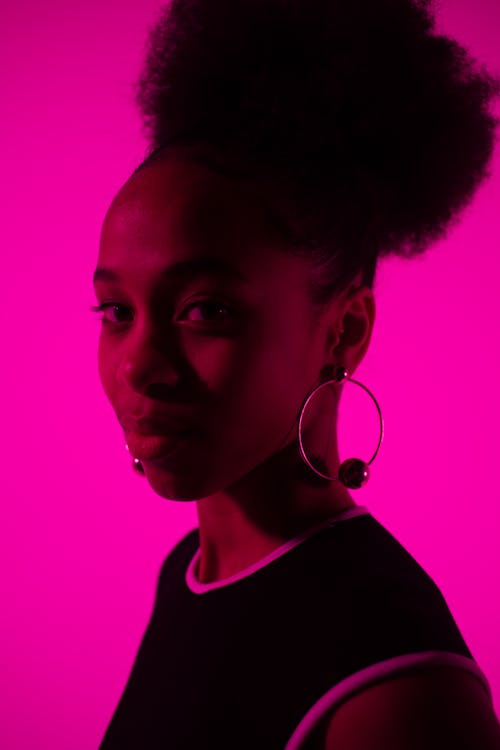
150 360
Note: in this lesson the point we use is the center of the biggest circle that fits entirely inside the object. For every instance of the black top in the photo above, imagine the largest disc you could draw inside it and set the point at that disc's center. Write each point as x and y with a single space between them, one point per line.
238 665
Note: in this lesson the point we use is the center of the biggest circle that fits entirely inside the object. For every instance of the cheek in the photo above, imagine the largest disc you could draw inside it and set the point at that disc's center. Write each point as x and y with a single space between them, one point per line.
214 361
105 367
259 397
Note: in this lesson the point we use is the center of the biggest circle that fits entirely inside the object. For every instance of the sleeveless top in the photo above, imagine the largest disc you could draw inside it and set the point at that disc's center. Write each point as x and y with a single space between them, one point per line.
258 659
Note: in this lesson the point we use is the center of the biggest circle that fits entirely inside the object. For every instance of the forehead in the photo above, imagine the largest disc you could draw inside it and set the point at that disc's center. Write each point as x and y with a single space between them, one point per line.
178 207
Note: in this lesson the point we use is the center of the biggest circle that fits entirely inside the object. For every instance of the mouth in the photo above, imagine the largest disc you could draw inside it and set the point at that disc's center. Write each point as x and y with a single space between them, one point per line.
154 447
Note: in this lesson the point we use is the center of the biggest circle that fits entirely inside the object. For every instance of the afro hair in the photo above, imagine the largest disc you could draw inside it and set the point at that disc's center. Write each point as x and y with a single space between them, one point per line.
373 130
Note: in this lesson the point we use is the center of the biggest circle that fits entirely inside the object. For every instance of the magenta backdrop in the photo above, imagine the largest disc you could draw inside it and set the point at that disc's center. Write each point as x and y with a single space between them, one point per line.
82 535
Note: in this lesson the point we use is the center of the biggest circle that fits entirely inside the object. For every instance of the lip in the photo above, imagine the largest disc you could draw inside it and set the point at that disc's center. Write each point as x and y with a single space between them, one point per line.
154 447
150 426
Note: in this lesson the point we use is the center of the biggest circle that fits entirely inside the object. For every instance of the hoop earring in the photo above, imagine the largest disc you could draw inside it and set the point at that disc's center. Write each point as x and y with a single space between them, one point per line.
353 472
136 464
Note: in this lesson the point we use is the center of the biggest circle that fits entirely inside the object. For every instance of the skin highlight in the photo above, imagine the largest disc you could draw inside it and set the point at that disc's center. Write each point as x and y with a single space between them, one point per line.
239 378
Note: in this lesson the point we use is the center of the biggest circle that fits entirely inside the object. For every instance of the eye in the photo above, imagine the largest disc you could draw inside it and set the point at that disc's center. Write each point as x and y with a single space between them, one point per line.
115 309
209 311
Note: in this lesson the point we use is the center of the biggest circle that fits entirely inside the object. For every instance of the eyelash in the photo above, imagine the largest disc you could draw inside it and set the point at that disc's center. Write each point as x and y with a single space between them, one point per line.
107 305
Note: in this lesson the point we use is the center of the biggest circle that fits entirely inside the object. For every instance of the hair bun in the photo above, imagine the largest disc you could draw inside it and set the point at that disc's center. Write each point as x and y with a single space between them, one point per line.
383 127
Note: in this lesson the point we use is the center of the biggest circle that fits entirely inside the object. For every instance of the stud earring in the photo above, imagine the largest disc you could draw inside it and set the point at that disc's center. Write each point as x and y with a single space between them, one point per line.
136 464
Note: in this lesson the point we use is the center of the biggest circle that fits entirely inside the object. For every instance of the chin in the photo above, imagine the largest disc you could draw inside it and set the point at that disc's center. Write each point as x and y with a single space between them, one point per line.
172 488
181 487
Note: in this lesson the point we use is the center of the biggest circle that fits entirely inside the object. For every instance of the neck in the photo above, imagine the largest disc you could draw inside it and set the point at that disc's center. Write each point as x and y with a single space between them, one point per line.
279 500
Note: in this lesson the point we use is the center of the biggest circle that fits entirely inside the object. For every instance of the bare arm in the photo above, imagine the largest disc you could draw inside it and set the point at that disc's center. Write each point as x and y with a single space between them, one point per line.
443 708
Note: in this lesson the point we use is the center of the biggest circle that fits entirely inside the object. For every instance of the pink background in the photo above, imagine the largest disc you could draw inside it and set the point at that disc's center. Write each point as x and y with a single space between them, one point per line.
82 536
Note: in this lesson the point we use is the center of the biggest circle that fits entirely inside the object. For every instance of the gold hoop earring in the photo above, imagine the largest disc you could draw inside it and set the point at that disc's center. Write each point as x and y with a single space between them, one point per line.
353 472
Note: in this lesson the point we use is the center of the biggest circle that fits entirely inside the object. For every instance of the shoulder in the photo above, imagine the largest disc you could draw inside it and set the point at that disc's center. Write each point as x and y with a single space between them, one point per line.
431 708
389 603
405 608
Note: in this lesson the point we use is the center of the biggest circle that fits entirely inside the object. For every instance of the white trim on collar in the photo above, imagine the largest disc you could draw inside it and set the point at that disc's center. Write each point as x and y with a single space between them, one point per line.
197 587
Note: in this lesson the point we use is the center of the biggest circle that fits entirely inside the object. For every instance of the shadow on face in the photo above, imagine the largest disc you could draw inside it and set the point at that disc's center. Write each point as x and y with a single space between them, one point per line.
207 325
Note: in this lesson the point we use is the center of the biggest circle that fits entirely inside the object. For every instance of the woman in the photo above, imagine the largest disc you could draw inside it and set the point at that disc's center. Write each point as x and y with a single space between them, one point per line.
292 145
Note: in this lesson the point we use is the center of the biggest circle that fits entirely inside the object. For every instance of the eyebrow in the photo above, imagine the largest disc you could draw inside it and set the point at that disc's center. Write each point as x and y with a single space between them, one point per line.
182 269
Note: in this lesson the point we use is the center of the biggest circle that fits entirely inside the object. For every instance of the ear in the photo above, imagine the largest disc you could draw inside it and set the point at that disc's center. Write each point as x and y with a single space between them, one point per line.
354 327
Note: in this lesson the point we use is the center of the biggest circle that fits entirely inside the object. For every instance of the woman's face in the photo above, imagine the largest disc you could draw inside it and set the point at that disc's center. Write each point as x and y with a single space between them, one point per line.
207 327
